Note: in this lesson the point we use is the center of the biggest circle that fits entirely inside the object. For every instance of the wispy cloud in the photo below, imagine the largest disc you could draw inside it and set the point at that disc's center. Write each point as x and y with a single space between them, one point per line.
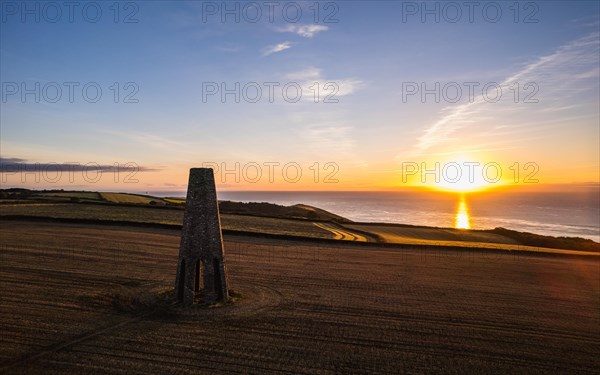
563 77
307 31
303 75
276 48
159 143
329 87
329 137
325 133
325 129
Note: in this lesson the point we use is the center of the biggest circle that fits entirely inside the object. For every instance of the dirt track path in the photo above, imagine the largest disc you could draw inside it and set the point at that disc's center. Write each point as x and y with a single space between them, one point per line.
306 308
341 234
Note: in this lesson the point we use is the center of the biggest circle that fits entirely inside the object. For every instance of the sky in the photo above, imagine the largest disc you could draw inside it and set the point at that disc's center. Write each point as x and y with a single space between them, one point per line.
128 97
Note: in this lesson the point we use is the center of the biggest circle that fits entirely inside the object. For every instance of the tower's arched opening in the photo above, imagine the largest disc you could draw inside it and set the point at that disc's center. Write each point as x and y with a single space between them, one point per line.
198 278
218 280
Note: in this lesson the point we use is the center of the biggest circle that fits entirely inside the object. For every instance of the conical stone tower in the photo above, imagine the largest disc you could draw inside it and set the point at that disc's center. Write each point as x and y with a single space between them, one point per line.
201 266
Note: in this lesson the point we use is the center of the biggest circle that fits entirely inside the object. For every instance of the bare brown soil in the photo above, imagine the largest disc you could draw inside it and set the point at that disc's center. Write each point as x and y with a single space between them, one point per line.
89 299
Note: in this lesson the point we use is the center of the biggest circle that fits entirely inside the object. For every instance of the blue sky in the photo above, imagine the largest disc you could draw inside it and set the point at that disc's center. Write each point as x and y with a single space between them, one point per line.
176 47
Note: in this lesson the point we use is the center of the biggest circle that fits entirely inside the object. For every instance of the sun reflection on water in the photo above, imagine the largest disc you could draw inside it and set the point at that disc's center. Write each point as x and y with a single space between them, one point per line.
461 220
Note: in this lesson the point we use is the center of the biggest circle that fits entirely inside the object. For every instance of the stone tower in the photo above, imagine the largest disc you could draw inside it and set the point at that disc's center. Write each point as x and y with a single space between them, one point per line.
201 249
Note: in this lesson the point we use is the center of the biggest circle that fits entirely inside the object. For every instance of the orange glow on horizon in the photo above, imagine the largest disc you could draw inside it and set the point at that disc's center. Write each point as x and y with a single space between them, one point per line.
457 174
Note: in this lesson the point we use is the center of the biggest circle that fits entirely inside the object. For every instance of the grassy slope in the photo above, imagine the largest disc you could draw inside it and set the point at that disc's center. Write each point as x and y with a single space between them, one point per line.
91 195
498 238
405 233
164 216
129 198
263 209
245 223
437 236
273 219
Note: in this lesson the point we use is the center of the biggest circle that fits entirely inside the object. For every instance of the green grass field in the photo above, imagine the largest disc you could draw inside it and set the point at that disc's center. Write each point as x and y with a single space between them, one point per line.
129 198
405 234
409 235
91 195
173 216
298 220
174 200
119 198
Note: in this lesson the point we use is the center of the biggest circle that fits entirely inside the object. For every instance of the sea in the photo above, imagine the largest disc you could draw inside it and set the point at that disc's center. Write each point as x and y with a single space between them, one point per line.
568 213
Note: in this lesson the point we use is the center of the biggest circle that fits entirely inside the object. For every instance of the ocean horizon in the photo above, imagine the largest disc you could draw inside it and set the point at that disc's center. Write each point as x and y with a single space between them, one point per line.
571 214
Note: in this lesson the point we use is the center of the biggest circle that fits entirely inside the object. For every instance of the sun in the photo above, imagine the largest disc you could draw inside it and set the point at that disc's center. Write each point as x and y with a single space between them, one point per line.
461 186
458 174
463 175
